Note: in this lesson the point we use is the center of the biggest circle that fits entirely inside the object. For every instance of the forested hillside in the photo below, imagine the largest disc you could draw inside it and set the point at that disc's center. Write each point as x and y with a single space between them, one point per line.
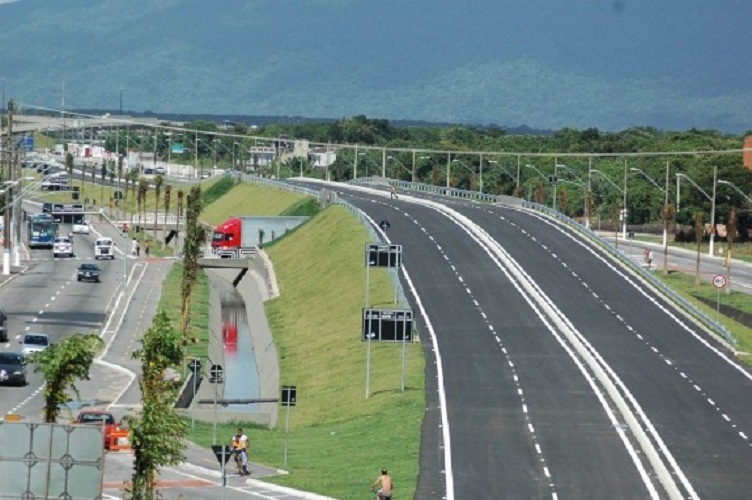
558 64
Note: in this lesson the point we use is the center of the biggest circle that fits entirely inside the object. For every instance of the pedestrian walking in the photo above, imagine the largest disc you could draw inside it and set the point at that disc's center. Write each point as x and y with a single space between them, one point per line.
146 249
650 259
134 247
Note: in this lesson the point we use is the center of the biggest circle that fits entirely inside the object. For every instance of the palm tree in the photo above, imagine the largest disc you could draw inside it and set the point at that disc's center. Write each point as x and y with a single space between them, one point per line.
143 188
181 194
157 191
167 191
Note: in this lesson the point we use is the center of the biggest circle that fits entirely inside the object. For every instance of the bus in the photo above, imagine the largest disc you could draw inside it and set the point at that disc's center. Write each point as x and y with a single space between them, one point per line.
41 231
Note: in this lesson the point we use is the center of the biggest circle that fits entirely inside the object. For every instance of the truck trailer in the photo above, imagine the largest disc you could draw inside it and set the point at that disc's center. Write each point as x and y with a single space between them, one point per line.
238 237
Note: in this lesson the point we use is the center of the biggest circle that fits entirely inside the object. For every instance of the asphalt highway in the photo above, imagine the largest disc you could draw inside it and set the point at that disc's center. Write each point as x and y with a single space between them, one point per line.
564 375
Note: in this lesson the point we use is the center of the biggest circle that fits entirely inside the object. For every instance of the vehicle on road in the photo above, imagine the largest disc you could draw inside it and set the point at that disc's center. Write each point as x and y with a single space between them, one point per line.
12 363
88 272
98 417
3 324
104 249
237 237
81 228
34 342
42 230
55 182
63 246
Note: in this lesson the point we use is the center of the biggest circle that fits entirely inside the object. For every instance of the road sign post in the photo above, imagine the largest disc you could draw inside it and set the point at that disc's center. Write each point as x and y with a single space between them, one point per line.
389 256
719 282
289 398
222 452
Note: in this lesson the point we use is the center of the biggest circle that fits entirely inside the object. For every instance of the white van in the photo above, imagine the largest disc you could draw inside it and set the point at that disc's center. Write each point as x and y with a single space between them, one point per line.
104 249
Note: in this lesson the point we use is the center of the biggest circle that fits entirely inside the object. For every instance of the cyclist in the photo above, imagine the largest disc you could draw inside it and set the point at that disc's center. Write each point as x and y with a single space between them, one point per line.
387 485
240 449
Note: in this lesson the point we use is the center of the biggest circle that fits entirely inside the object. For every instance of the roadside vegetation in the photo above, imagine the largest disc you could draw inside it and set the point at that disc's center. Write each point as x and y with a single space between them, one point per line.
338 439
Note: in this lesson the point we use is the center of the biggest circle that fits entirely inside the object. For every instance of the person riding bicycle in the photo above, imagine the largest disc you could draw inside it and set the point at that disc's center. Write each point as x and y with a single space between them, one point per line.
240 449
387 485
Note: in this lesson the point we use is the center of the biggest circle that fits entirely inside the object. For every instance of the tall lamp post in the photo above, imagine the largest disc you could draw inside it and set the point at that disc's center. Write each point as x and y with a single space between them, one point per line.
457 160
712 203
624 193
736 188
665 193
411 172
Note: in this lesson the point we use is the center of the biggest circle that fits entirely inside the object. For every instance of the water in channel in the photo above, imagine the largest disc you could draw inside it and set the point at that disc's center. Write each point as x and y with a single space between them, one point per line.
241 371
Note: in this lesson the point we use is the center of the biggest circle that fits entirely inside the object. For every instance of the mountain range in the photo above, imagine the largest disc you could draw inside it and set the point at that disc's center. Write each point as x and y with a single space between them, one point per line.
546 64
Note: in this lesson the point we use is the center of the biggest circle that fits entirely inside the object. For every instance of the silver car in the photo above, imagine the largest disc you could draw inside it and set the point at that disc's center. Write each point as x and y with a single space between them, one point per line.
34 342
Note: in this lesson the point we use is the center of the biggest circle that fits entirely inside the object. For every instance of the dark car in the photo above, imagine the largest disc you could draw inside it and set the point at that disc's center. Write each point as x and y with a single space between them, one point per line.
88 272
12 369
3 325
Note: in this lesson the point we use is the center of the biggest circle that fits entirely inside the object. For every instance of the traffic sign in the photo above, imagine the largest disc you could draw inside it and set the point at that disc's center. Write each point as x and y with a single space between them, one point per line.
388 325
719 281
383 255
222 452
216 374
289 395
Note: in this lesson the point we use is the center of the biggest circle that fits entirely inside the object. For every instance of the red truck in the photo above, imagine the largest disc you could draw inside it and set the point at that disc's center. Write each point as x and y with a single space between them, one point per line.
238 237
234 239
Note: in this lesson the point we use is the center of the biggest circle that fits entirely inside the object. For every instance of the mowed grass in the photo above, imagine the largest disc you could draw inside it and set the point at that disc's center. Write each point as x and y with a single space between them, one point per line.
684 284
338 438
249 199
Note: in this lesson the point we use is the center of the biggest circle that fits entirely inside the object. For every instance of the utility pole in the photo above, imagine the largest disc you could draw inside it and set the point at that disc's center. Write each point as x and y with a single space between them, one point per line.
8 195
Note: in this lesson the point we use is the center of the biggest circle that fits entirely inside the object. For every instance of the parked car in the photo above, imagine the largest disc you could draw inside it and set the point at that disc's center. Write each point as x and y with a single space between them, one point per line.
81 228
88 272
3 324
98 417
62 245
12 365
34 342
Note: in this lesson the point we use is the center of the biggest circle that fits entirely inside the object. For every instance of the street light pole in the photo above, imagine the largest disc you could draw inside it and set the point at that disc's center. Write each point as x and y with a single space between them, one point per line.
712 211
480 174
8 196
624 216
589 194
554 180
711 199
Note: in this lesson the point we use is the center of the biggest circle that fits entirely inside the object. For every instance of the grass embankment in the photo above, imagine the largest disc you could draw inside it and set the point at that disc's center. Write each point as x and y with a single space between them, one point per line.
338 439
684 284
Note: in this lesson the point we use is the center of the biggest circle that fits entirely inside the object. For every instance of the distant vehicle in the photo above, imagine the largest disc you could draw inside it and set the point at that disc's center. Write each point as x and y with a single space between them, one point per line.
98 417
34 342
81 228
55 182
47 208
63 245
41 231
88 272
237 237
12 364
160 171
3 324
104 249
148 171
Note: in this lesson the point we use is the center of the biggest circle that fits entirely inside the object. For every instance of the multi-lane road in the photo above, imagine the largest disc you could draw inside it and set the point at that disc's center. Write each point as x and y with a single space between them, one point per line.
554 371
560 373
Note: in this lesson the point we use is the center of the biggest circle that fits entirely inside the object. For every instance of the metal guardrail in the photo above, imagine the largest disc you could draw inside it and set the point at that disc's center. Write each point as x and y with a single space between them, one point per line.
680 301
606 247
376 236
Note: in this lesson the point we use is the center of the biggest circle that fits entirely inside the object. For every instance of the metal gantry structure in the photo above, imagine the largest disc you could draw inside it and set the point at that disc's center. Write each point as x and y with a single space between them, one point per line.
222 148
